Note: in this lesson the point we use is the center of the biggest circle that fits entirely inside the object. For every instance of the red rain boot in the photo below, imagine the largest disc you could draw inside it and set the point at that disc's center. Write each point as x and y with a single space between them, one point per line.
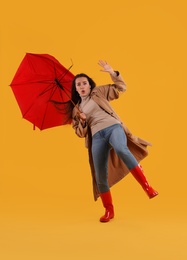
107 203
138 174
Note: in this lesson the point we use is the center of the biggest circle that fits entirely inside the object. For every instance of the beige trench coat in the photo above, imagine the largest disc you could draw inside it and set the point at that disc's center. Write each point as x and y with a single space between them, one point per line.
117 170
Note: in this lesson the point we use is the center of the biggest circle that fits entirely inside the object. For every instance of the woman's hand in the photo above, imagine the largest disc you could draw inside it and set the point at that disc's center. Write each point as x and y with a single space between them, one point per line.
106 67
82 117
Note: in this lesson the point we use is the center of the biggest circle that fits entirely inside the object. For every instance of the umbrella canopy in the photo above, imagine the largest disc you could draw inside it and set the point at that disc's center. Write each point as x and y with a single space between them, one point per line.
42 88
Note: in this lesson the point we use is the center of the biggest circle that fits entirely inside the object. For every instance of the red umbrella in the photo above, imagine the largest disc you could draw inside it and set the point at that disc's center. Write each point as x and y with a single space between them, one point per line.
42 88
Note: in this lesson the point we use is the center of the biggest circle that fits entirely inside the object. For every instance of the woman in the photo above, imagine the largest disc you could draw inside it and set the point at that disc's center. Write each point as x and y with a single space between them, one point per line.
113 150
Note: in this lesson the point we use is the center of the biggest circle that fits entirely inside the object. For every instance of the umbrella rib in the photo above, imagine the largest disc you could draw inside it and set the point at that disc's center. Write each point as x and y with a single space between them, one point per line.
55 88
42 93
67 70
47 89
31 82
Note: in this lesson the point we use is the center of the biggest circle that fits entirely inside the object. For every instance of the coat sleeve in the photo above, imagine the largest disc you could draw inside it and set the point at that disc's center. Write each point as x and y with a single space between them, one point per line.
77 126
119 82
112 91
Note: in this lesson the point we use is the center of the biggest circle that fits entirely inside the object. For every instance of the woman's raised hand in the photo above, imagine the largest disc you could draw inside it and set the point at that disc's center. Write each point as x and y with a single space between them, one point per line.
106 67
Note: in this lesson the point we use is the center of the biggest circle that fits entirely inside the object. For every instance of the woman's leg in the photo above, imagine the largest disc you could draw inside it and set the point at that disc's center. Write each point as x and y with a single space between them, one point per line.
100 152
118 141
138 174
107 203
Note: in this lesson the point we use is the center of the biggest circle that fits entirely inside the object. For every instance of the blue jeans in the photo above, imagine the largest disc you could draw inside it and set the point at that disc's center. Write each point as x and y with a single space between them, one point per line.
112 136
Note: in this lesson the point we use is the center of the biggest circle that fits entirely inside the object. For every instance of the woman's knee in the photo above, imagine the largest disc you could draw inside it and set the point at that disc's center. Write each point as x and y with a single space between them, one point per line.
121 152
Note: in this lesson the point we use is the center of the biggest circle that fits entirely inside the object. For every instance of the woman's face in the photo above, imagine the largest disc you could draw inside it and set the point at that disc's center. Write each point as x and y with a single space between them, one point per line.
82 86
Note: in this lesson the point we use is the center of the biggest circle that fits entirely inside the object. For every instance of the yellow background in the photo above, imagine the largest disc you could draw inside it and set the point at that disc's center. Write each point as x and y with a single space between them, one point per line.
47 209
